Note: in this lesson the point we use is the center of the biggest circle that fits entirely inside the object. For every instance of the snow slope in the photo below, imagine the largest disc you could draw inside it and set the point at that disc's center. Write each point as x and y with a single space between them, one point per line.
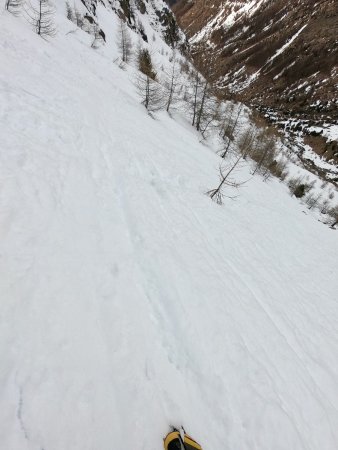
129 300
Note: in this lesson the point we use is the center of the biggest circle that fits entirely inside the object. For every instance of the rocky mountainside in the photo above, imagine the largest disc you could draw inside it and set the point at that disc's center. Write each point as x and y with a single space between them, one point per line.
160 18
274 54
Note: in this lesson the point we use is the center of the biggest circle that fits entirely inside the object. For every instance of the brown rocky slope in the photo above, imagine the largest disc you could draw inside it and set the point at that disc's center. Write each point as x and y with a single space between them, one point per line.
274 54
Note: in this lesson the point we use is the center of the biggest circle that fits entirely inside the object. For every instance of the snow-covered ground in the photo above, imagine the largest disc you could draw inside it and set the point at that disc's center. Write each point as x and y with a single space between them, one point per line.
129 300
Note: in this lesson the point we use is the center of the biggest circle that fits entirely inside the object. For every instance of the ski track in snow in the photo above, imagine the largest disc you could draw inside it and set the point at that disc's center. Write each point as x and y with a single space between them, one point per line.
130 301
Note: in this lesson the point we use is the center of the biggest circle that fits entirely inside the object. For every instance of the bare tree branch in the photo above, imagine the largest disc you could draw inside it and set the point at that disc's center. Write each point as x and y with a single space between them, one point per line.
217 194
41 18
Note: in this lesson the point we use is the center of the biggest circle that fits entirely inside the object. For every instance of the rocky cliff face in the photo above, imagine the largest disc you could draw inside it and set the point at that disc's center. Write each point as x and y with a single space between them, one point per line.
160 16
275 54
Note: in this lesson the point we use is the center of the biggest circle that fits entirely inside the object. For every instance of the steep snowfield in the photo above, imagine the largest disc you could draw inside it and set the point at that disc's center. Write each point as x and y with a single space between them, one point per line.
129 300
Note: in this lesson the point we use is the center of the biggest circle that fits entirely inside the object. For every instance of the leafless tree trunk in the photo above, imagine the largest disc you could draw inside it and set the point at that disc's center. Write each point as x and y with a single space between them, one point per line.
194 100
225 180
232 130
42 19
266 157
150 93
313 200
170 85
201 106
325 207
124 42
246 143
211 116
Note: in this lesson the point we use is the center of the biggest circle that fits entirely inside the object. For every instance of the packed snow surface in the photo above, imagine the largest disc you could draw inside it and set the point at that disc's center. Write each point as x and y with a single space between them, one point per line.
129 300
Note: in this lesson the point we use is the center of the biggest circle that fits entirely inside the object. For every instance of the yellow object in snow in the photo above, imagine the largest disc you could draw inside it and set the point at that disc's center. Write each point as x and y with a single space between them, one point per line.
173 441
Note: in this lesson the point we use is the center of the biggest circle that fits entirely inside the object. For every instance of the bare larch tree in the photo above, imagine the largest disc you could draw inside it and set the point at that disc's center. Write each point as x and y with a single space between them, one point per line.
217 194
124 42
170 86
193 99
231 130
41 17
150 92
